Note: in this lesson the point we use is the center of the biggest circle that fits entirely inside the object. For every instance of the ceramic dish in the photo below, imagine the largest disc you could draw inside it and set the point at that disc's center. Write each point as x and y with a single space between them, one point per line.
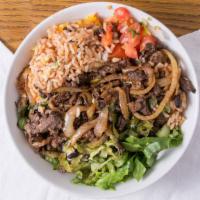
166 160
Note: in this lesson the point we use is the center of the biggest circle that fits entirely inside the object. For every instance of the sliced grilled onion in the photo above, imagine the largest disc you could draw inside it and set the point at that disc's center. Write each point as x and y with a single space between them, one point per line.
123 102
84 98
91 111
88 97
32 100
151 82
184 101
102 123
70 116
112 77
69 89
130 69
163 82
169 93
82 130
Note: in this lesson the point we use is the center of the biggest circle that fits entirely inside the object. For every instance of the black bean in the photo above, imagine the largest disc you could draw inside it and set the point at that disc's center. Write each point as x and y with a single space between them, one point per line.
74 154
177 101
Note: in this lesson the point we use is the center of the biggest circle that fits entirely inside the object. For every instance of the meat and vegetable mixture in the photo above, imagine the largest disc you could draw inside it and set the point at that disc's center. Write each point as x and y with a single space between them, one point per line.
101 98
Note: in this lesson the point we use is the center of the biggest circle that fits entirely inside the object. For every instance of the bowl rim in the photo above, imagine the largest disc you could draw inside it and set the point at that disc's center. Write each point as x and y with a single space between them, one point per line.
26 39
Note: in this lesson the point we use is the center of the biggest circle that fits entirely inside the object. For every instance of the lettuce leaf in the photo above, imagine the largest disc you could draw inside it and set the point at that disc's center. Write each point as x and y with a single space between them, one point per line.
133 143
139 169
151 146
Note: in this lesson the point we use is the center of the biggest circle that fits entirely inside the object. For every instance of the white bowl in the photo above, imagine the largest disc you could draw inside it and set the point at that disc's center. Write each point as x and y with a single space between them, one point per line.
62 181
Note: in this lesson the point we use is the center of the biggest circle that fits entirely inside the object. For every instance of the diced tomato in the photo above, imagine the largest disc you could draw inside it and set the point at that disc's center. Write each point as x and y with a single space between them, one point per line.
145 31
130 37
118 52
122 27
136 27
131 21
111 19
130 51
122 14
124 38
147 39
107 39
109 27
135 41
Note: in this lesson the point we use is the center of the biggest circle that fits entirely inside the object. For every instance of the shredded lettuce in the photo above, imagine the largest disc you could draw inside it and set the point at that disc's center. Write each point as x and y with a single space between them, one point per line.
106 166
167 109
21 122
152 102
108 180
103 172
140 127
133 123
53 160
22 115
144 128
